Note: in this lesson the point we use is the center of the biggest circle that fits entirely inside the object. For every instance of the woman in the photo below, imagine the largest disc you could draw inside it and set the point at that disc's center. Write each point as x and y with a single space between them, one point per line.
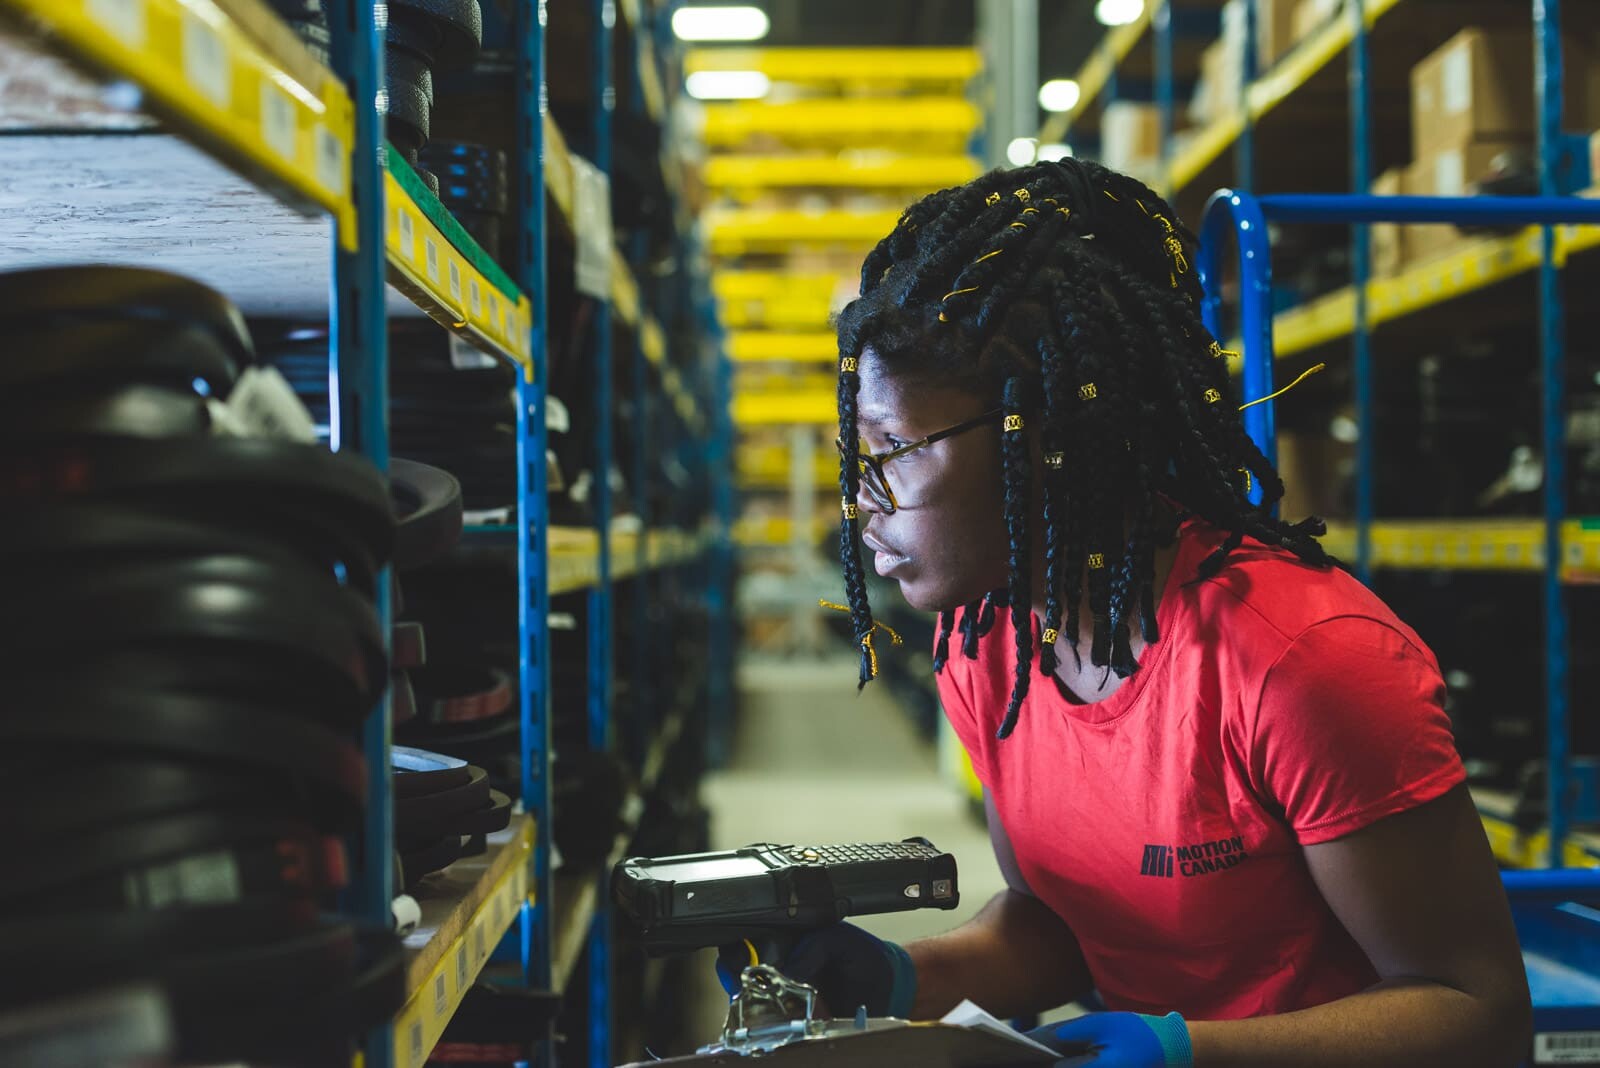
1219 779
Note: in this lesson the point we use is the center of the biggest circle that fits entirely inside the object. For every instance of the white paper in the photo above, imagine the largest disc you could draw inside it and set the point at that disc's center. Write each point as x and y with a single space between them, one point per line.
974 1018
1457 80
1450 175
591 224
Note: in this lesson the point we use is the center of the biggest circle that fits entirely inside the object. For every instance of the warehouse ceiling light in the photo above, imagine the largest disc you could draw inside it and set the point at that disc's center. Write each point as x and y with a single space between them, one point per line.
1053 152
1059 94
720 23
1020 151
727 85
1118 12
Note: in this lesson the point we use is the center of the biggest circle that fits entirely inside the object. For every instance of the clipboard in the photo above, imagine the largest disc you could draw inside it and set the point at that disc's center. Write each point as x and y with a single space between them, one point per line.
926 1045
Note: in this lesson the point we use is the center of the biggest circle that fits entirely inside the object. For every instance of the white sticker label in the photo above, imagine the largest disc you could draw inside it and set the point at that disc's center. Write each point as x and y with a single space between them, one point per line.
463 971
408 236
431 254
124 18
465 356
205 60
330 160
455 281
1449 175
499 911
476 297
441 995
277 120
416 1042
1457 78
478 953
1567 1047
494 308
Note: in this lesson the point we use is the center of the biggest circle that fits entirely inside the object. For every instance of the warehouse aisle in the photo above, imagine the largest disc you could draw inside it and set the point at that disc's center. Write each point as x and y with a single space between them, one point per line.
815 762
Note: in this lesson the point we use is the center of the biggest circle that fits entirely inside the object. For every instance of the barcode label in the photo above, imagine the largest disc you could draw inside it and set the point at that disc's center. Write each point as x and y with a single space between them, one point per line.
408 236
416 1042
1567 1047
441 996
330 160
277 120
205 60
455 281
124 18
478 953
432 256
463 970
477 298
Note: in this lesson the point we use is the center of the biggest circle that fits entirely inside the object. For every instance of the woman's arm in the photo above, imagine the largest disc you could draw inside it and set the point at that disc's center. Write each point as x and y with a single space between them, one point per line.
1420 893
1015 957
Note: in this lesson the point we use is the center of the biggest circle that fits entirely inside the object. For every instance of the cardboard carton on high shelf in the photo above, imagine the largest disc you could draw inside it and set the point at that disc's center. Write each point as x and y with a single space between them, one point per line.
1130 137
1478 86
1449 172
1388 254
1310 16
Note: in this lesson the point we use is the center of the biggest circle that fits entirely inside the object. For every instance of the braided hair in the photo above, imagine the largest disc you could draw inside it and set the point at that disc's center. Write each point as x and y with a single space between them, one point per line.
1063 292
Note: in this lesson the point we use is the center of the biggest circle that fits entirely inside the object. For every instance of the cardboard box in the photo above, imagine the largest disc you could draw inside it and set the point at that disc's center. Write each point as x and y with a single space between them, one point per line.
1130 135
1310 16
1478 86
1275 36
1448 172
1216 92
1316 472
1387 251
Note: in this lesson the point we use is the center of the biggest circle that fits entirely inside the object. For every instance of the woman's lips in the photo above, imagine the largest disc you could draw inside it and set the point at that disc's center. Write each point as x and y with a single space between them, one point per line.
885 559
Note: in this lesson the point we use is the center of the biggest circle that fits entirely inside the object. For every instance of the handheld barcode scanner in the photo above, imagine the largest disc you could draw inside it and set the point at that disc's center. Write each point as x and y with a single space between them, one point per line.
771 895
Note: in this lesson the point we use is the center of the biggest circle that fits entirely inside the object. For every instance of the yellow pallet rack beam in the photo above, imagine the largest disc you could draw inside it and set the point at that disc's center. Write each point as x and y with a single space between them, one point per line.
442 280
730 286
904 173
1474 545
776 300
772 346
771 532
575 554
1092 77
925 123
741 232
1517 848
465 913
242 87
816 408
834 66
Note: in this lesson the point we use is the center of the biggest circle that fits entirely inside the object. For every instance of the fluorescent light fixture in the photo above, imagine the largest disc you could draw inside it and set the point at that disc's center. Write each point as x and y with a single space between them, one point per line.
1118 12
1059 94
1020 151
727 85
1053 152
720 23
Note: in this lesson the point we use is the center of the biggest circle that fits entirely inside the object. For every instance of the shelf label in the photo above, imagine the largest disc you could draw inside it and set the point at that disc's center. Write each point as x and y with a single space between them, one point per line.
205 59
478 952
330 160
124 18
408 235
476 298
441 995
465 356
431 253
1568 1047
417 1050
455 281
463 971
277 120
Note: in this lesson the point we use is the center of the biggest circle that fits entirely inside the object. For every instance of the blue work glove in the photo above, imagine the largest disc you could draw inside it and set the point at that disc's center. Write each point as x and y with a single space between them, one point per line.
848 966
1121 1040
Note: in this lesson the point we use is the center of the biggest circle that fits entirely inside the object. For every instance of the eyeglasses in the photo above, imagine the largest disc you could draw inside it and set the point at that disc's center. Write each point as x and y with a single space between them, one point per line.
873 478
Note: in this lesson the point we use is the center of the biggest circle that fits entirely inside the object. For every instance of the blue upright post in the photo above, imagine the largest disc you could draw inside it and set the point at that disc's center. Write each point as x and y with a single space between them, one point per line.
358 389
1360 272
1235 219
1161 29
533 512
641 704
602 103
1548 79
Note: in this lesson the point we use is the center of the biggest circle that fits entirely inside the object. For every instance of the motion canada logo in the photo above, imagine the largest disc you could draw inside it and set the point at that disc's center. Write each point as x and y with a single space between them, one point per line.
1164 861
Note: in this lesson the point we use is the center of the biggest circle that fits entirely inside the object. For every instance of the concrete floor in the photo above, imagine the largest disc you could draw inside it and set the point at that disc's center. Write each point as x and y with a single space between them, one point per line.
816 763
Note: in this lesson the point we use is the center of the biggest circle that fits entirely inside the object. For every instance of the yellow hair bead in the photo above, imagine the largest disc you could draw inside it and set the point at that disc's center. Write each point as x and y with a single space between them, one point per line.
847 365
1054 460
848 507
1013 423
1096 561
1018 226
1088 391
992 199
1030 211
943 318
1212 396
1022 195
1249 483
1049 636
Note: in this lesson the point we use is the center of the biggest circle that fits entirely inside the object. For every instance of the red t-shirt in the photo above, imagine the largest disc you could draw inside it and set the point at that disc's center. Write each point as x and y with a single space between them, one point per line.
1283 706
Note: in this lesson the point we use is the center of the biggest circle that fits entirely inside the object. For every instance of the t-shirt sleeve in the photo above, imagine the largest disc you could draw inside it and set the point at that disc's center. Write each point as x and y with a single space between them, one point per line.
955 697
1351 728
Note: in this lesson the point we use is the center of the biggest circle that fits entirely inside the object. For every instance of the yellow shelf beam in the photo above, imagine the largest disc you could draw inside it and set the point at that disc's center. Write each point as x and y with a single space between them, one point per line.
772 532
775 300
925 123
441 280
730 286
575 563
1516 848
1092 77
466 910
268 109
785 409
771 346
834 66
911 173
1473 545
737 233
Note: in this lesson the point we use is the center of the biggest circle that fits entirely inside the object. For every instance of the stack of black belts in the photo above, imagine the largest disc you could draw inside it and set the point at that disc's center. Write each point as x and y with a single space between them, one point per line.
424 37
474 183
444 809
197 649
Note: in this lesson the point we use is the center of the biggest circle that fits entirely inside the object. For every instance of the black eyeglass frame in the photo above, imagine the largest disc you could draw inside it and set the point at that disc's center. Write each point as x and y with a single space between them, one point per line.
872 463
